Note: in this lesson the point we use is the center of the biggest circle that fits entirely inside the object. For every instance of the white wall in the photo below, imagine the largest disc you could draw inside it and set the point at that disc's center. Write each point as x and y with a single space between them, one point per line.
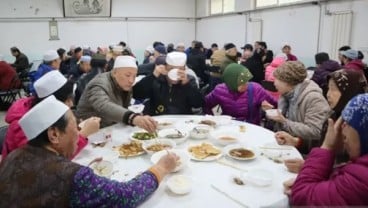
28 29
297 25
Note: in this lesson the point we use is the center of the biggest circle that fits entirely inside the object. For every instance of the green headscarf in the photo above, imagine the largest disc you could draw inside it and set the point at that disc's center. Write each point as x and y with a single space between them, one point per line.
236 75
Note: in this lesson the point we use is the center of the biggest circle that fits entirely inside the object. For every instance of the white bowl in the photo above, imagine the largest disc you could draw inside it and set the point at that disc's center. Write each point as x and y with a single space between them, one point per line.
272 112
230 147
183 161
163 134
226 137
164 123
173 74
179 184
200 131
259 177
149 143
103 168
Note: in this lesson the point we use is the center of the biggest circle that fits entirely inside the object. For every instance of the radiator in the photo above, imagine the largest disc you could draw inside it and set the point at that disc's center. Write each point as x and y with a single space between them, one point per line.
341 31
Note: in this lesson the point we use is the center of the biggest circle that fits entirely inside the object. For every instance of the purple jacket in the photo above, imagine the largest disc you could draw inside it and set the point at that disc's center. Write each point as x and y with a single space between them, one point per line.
320 74
318 184
235 104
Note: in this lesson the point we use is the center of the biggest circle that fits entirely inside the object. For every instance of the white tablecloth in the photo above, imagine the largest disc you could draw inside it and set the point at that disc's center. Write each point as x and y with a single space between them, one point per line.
203 173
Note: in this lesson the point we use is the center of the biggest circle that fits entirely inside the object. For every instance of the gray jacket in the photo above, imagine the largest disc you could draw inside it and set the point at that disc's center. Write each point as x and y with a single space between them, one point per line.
103 97
308 110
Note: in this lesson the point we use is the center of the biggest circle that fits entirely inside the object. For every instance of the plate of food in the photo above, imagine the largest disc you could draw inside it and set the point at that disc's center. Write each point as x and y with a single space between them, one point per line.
240 152
176 135
157 145
225 137
142 135
216 120
102 168
131 149
180 164
204 152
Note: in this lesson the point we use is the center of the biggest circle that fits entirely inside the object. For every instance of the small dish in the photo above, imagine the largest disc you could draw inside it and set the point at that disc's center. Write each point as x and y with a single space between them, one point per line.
142 135
240 152
180 184
164 123
103 168
157 145
200 131
183 158
226 137
177 135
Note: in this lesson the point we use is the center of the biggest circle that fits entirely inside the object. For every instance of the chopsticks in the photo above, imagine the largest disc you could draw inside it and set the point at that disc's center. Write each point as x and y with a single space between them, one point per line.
228 196
223 162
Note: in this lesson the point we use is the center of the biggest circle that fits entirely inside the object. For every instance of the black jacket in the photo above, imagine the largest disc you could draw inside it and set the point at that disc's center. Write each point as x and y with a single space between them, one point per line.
197 62
21 62
255 66
163 99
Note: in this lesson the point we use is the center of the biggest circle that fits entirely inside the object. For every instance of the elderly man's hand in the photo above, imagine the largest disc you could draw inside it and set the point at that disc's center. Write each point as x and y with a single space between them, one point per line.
183 77
145 122
91 126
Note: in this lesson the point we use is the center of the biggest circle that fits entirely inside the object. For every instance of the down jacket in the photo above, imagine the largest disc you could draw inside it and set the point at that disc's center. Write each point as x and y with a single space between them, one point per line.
235 104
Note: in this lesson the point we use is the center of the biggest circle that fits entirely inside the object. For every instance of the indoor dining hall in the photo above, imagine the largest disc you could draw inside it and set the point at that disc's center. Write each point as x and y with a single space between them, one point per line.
183 103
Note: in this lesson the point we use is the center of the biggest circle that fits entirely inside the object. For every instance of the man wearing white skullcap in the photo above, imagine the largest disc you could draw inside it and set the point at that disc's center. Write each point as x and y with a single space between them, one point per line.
108 96
51 61
117 50
83 67
170 89
41 175
63 91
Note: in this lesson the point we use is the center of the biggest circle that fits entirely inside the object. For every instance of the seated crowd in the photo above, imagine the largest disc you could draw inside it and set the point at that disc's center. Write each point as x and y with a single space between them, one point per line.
325 117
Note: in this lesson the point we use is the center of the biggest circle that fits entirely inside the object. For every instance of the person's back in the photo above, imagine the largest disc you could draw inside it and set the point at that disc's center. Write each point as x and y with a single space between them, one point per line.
355 64
36 184
255 66
276 62
7 74
197 62
322 71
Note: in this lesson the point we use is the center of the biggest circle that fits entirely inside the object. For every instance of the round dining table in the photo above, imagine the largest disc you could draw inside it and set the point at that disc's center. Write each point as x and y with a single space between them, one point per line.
212 181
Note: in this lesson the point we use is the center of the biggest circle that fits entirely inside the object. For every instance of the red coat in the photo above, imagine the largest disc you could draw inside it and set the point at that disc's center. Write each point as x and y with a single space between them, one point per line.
7 74
15 137
318 184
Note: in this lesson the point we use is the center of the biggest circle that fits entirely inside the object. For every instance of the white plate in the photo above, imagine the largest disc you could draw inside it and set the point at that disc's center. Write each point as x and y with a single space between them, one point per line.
184 158
103 168
219 120
140 140
219 134
230 147
164 132
126 156
158 141
173 74
207 159
164 123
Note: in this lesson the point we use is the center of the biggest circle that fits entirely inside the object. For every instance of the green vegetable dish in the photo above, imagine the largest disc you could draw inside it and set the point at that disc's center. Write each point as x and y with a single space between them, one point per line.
144 136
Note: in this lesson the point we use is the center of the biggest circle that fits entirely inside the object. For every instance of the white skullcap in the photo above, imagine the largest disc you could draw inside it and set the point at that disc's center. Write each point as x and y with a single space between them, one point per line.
42 116
150 49
49 83
176 59
125 62
50 55
117 48
85 47
180 44
85 59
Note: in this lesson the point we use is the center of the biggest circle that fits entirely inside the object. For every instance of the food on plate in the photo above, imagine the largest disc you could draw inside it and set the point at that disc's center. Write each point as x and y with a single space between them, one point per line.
103 168
238 181
203 151
227 139
208 122
241 153
144 135
164 124
176 135
130 149
158 147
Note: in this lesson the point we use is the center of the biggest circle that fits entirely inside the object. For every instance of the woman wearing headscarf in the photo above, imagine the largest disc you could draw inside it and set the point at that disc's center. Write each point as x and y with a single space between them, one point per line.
41 175
342 86
318 183
63 91
238 97
303 107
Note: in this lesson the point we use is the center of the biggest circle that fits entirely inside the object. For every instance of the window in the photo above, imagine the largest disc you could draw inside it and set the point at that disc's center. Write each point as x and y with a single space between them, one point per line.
265 3
222 6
